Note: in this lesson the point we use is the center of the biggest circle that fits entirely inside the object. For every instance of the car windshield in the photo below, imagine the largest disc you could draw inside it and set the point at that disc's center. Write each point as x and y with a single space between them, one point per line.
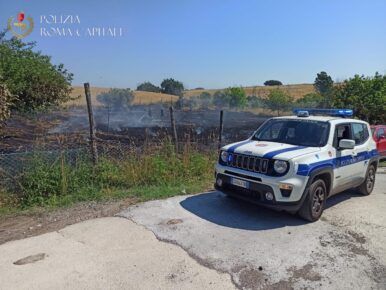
297 132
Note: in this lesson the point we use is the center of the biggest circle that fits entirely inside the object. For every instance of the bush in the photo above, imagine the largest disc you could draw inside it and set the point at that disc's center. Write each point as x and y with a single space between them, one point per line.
148 87
273 83
279 100
31 77
5 103
365 95
237 97
116 98
311 100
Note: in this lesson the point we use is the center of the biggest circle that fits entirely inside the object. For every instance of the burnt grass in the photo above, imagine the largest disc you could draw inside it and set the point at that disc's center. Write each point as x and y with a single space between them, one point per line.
135 126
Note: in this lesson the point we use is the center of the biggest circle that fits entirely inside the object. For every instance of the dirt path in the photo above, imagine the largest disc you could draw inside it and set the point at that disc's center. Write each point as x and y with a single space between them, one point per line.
20 226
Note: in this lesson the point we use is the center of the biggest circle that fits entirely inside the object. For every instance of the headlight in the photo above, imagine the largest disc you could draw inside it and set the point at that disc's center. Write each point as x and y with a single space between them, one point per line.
224 156
280 166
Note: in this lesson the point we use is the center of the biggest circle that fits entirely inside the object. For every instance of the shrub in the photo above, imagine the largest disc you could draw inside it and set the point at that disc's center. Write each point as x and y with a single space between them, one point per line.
31 77
116 98
279 100
273 83
365 95
311 100
5 103
148 87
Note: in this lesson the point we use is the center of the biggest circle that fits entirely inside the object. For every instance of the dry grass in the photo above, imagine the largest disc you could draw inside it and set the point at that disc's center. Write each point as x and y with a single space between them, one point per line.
296 91
139 97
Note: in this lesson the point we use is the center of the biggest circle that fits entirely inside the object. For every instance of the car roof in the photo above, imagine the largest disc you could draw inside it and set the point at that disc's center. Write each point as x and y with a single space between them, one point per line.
315 118
331 119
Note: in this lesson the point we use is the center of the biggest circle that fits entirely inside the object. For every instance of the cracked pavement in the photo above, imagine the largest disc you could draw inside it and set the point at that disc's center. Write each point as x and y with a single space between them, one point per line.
209 241
263 249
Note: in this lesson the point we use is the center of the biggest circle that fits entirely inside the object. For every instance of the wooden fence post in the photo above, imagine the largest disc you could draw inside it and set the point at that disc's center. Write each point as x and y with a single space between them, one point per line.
220 129
93 147
173 126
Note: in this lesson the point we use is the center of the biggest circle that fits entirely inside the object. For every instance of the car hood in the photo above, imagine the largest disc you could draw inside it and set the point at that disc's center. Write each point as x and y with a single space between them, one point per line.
269 149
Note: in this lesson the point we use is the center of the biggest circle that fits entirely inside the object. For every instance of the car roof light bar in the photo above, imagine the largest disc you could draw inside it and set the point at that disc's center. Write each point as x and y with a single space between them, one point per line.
324 112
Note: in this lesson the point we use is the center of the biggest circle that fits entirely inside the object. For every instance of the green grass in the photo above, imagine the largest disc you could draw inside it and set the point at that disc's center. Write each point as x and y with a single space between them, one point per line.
155 174
382 163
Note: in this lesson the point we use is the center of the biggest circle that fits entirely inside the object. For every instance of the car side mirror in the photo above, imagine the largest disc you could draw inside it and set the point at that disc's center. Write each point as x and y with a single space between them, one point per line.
381 137
346 144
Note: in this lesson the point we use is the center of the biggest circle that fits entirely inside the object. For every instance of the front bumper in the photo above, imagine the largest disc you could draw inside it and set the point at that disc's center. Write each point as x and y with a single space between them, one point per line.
260 184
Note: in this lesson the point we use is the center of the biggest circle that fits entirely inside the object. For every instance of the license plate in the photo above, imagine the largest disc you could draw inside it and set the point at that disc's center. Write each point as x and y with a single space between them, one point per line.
240 183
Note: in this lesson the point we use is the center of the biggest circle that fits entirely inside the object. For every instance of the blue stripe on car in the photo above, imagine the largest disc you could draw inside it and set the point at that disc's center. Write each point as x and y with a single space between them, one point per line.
237 145
306 169
276 152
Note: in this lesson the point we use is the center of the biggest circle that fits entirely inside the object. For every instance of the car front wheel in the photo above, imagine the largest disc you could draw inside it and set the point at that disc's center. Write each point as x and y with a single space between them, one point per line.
315 201
368 185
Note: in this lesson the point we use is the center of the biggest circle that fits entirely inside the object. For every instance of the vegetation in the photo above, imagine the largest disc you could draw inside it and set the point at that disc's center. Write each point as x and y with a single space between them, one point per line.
31 77
278 100
172 87
162 173
273 83
312 100
116 98
324 85
5 103
148 87
365 95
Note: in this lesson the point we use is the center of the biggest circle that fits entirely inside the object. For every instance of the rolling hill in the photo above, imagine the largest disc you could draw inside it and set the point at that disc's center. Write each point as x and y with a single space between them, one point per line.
141 97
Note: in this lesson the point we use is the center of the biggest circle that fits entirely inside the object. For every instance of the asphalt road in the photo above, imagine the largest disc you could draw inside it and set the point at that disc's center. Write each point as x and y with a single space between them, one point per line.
263 249
209 241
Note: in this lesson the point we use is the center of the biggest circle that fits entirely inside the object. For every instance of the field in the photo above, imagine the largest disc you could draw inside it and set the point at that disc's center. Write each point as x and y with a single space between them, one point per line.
139 97
296 91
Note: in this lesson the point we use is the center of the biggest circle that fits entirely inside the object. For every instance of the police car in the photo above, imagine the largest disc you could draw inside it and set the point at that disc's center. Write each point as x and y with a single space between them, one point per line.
295 163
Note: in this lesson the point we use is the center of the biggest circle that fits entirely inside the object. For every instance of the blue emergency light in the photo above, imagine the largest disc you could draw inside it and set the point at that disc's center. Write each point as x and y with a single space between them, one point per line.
324 112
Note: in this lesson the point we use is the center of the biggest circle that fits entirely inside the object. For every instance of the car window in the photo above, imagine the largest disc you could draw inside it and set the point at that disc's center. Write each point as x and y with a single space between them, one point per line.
341 132
308 133
360 133
381 132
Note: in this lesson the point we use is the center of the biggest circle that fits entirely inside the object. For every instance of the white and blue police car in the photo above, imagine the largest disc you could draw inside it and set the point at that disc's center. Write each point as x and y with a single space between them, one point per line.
295 163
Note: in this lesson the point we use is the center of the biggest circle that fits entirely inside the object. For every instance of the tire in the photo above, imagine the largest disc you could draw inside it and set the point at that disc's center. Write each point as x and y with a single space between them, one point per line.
313 206
366 188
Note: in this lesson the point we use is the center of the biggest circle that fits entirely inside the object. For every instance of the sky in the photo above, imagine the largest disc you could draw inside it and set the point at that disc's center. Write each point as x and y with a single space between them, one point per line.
208 43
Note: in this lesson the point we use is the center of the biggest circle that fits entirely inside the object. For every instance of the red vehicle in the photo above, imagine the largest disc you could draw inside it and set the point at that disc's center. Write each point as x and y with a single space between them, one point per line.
379 135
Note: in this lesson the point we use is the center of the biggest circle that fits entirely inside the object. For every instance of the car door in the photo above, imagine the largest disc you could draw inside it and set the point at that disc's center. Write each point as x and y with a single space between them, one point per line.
343 171
360 135
381 141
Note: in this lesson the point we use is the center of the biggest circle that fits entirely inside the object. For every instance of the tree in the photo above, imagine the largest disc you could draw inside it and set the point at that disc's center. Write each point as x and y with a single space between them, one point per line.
365 95
273 83
116 98
148 87
172 87
279 100
236 96
311 100
31 77
324 85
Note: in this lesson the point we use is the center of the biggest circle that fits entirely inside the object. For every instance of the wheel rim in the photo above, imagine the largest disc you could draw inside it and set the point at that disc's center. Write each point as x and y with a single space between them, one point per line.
318 200
370 179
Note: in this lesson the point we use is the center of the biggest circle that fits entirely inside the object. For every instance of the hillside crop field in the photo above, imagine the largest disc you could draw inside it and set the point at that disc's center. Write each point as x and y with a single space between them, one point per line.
296 91
139 97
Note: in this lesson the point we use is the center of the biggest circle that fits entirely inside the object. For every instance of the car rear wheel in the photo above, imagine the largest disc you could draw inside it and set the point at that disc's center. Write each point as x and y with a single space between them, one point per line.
368 185
315 201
